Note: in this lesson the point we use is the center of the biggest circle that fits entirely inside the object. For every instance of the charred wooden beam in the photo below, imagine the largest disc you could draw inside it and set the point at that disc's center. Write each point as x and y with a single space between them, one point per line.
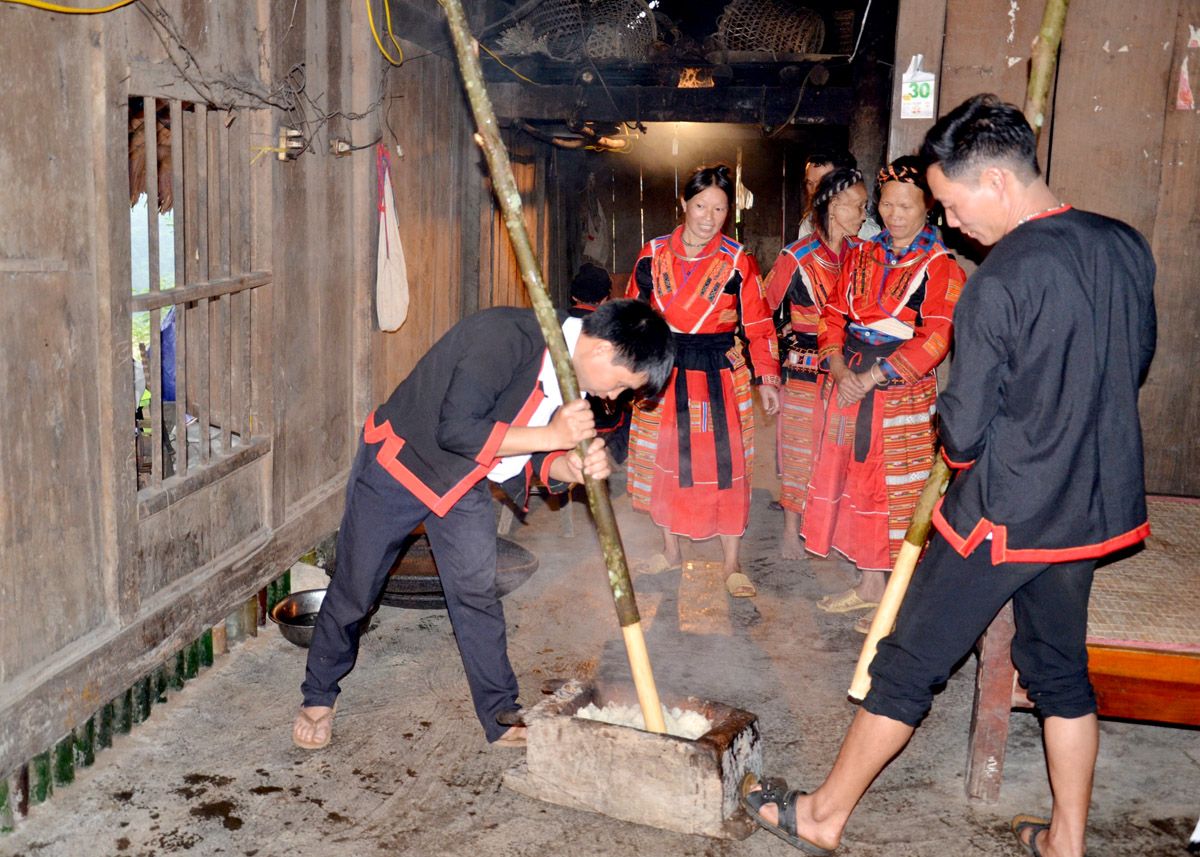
752 105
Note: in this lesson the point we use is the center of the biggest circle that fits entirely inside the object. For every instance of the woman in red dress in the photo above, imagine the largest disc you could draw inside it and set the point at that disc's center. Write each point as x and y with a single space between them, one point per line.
804 276
882 332
691 450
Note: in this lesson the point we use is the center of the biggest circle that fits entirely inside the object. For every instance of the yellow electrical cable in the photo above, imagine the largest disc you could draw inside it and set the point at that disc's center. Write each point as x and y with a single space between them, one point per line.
506 65
378 42
70 10
387 13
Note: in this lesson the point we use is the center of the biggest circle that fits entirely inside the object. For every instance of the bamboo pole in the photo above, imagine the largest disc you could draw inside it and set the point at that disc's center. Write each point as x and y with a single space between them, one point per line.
1044 63
505 187
897 585
1041 75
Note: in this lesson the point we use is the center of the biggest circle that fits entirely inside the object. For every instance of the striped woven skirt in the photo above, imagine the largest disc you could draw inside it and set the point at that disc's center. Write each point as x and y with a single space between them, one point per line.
702 510
862 508
799 416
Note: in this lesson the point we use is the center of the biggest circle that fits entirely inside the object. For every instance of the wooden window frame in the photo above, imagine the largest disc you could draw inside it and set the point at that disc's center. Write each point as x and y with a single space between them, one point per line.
216 295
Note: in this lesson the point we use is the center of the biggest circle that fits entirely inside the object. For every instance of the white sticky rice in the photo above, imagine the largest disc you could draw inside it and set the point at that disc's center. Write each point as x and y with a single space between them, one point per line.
680 723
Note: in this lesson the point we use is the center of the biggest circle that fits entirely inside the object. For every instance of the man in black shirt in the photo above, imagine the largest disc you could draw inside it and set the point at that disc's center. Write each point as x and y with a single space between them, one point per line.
483 403
1053 336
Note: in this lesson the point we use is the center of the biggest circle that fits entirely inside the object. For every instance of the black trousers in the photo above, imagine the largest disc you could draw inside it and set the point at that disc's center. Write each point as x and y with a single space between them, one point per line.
950 603
380 513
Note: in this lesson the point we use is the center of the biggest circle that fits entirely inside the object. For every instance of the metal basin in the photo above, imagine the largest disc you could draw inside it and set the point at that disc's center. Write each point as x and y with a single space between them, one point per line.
414 581
296 616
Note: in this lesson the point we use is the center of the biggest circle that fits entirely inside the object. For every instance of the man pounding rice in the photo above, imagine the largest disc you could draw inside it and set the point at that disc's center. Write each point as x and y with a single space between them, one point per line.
1054 335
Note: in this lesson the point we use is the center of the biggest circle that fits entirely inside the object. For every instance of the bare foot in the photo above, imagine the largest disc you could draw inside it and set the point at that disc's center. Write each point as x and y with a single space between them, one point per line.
790 546
313 727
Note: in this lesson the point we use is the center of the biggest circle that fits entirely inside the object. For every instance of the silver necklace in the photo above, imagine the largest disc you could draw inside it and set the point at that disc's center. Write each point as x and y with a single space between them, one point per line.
1036 214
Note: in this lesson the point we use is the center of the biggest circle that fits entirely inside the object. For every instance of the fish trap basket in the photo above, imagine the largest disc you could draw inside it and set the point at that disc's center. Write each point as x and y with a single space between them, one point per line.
620 29
770 26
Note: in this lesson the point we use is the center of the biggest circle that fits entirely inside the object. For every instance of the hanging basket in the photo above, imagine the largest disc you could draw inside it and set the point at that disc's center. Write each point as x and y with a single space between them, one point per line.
770 27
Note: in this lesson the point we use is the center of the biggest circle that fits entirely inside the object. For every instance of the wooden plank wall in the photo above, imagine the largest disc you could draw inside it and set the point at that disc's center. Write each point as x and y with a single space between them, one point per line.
1170 400
638 192
92 599
437 180
1115 144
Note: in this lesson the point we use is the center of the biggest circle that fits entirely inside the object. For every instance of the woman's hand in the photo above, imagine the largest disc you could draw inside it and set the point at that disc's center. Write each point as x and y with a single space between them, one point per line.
770 399
853 387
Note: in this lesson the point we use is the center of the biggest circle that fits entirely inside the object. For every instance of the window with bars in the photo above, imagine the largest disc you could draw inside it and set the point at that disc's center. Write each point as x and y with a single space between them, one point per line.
195 295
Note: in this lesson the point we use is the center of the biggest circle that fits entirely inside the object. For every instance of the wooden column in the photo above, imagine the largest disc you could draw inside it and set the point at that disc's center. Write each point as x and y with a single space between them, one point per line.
920 29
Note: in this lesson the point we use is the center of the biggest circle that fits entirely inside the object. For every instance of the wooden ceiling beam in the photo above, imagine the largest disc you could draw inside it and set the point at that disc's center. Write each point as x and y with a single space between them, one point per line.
756 105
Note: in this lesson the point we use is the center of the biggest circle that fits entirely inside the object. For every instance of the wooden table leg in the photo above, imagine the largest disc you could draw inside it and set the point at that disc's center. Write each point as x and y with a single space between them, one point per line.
993 704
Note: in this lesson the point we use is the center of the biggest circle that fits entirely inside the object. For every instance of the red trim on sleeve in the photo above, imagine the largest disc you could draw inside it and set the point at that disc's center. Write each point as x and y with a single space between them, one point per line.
1001 553
956 465
488 453
551 457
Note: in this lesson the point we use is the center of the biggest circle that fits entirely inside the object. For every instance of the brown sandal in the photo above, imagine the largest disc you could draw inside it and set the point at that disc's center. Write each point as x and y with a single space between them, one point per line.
318 723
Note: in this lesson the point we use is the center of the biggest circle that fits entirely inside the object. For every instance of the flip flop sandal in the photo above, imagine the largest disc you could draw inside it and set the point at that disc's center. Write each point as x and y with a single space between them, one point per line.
863 624
845 602
739 586
657 564
511 738
318 723
776 791
1022 823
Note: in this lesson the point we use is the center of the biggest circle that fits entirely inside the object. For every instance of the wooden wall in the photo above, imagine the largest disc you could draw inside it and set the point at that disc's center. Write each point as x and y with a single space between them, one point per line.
101 583
639 191
1114 144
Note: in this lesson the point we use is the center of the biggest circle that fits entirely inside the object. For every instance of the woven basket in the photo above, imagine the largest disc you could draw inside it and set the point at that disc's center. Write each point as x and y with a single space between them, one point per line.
770 26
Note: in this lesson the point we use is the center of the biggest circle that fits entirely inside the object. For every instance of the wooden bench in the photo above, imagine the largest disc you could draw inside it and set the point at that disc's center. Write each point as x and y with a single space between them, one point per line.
1143 644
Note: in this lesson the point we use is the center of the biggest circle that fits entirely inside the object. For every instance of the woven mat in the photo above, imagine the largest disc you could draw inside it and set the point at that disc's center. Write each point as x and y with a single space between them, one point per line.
1152 598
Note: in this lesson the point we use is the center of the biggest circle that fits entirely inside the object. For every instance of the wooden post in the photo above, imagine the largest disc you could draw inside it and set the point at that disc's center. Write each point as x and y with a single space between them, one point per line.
598 500
991 708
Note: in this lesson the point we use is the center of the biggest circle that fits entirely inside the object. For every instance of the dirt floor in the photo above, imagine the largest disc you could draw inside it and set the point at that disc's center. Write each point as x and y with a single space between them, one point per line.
214 771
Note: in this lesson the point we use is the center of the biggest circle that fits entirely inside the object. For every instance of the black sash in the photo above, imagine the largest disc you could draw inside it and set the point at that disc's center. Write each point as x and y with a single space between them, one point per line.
858 353
704 352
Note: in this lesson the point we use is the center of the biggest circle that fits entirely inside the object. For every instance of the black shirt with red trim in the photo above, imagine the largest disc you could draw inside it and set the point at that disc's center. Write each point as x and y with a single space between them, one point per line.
441 427
1053 337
